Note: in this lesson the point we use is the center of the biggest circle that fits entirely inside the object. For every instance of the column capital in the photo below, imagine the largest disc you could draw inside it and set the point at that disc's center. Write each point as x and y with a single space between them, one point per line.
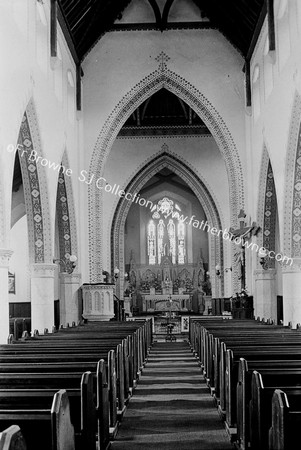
70 278
261 274
41 270
5 255
295 267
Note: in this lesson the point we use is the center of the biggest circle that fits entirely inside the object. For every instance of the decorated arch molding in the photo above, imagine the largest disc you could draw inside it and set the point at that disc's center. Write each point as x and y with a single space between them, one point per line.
157 163
3 224
160 78
292 207
35 189
65 214
267 207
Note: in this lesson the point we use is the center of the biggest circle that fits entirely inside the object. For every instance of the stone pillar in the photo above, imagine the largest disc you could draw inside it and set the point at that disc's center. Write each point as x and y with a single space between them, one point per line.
291 276
127 306
69 291
265 298
4 307
208 304
42 296
98 301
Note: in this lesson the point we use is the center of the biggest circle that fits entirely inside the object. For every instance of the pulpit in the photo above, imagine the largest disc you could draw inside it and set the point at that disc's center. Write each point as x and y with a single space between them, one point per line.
98 301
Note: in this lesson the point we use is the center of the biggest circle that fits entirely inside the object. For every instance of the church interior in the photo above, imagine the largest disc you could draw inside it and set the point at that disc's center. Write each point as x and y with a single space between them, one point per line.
150 191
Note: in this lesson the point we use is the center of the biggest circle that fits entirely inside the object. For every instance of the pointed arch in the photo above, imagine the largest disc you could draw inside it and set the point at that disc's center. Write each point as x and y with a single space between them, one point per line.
35 188
157 163
267 209
3 222
65 213
292 209
160 78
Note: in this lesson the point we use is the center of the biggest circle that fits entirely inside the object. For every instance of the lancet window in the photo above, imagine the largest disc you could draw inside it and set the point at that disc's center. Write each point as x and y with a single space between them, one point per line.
166 233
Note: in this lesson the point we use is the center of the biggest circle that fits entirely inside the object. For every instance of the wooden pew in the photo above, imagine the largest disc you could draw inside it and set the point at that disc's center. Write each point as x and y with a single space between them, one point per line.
47 428
288 369
284 433
12 439
266 345
263 387
63 362
79 388
81 400
229 378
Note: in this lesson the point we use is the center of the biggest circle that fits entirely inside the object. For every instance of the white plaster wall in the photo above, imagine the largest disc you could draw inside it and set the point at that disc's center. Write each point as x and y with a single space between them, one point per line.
138 218
273 124
121 60
200 153
25 77
18 264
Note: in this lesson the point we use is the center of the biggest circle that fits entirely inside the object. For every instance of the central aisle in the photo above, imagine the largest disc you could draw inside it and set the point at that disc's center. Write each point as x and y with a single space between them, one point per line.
171 407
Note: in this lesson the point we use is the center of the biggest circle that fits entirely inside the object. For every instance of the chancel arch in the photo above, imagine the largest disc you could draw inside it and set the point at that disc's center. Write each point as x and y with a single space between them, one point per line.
161 78
161 161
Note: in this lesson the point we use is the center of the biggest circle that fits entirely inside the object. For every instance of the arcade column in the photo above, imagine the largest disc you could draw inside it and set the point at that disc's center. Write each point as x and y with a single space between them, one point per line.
291 278
42 296
69 292
5 256
265 298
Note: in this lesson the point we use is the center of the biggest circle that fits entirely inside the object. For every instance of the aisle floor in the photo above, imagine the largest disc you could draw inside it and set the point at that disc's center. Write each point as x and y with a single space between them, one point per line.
171 407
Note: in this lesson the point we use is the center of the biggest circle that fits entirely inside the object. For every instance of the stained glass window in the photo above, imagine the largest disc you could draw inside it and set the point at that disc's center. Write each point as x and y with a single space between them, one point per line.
171 230
181 243
161 226
166 233
151 242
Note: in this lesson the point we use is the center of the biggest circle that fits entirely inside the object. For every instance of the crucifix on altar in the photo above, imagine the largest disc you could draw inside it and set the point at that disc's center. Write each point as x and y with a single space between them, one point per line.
240 236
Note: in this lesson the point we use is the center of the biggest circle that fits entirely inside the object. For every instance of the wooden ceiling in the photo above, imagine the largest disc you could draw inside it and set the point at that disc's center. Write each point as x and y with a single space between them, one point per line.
88 20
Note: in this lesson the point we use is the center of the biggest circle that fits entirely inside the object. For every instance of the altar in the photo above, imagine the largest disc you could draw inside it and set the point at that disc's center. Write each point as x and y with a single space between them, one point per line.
166 302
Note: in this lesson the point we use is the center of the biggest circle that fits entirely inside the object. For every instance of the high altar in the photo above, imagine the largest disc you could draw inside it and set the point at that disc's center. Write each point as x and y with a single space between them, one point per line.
166 286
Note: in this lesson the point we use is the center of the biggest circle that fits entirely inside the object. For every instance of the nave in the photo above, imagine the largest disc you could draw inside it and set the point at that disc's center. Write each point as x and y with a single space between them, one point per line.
171 407
234 382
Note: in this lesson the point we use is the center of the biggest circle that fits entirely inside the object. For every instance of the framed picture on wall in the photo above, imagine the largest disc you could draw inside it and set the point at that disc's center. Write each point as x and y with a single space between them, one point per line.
11 283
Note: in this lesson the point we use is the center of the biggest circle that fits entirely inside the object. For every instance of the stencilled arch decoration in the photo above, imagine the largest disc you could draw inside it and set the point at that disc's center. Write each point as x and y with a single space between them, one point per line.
292 207
35 189
267 208
3 224
65 215
154 165
160 78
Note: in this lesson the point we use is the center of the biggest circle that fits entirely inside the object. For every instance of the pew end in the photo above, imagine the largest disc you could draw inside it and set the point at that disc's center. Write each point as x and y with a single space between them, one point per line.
12 439
286 421
63 437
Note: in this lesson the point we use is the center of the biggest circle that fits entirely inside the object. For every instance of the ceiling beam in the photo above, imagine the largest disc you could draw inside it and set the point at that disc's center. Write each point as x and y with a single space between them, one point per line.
67 33
78 87
247 66
53 28
271 25
157 12
248 84
171 182
166 10
257 31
